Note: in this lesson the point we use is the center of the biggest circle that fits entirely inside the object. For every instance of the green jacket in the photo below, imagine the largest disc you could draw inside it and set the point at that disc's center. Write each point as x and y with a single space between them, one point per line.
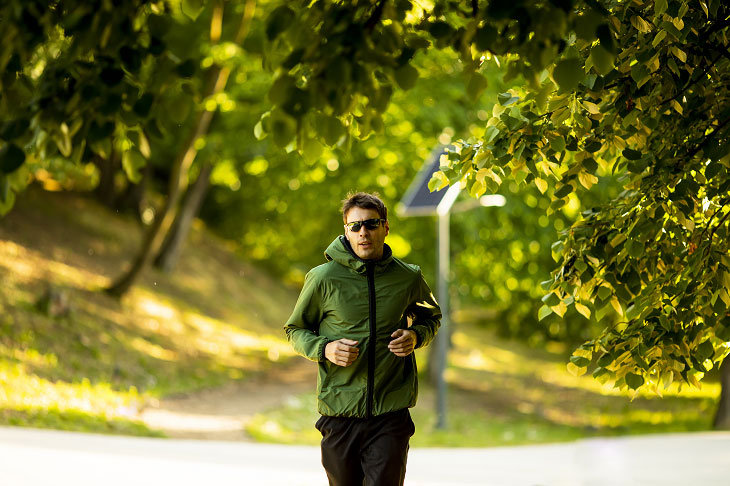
365 301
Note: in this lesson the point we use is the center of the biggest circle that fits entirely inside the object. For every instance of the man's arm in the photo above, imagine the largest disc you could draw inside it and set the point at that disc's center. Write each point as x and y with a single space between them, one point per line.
425 312
303 325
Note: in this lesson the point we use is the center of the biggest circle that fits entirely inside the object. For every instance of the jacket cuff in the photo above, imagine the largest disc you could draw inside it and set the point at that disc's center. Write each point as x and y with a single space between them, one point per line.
419 339
322 349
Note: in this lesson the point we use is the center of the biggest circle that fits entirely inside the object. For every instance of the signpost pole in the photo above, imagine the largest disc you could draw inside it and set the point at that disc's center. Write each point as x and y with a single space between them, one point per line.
442 337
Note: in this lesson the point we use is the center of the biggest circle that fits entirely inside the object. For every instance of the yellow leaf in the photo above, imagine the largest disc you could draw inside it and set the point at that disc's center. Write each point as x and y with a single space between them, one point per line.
575 371
560 309
724 296
677 106
689 224
477 189
585 311
617 240
587 180
678 23
480 157
541 184
591 107
583 353
481 174
617 306
494 177
679 54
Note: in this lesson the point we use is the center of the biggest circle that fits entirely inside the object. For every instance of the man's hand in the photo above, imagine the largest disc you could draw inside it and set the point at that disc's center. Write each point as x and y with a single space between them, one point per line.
341 352
404 342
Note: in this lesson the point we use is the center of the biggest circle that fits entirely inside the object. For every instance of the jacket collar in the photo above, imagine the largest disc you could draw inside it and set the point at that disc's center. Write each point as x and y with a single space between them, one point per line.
341 252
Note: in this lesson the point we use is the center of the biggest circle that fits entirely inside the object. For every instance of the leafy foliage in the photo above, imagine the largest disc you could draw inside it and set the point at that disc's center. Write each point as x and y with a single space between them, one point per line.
636 89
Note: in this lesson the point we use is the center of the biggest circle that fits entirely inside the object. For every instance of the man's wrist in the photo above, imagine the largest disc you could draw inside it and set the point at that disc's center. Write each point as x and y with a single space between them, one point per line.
418 337
323 351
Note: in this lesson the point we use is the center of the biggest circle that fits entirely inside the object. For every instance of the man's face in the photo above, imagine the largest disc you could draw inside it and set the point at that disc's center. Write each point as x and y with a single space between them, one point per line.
367 243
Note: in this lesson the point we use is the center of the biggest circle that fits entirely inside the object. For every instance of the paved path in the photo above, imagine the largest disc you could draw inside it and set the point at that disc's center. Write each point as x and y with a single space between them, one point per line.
30 457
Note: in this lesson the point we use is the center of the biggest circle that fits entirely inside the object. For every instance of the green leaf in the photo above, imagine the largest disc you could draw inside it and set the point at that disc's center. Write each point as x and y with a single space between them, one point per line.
406 77
602 60
634 381
558 143
712 169
186 69
486 36
568 73
477 85
631 154
507 98
331 129
438 181
132 162
590 165
563 191
279 20
440 29
283 129
715 149
551 299
14 129
593 146
193 8
11 158
111 76
660 6
705 350
143 105
635 248
544 312
580 361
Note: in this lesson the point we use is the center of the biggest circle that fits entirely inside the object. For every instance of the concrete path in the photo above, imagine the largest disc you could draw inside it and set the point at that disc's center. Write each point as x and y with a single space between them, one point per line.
30 457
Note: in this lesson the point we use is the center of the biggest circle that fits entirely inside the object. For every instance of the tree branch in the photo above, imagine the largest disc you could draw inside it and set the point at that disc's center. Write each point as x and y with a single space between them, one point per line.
374 18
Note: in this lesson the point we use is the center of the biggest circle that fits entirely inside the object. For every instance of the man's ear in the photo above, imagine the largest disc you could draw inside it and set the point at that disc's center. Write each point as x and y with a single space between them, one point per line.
387 228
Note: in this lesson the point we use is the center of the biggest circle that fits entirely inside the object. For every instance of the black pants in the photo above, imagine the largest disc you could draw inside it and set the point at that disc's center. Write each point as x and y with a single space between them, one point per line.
372 451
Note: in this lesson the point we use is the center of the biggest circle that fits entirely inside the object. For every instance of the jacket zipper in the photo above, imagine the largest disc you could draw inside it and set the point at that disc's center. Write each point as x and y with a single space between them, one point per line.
371 347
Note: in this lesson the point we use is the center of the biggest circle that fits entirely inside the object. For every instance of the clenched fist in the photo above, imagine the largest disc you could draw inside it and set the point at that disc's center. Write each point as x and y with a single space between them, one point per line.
341 352
404 342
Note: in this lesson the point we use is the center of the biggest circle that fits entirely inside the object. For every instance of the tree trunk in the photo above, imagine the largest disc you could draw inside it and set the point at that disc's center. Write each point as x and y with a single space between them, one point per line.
133 197
722 416
181 165
172 246
106 191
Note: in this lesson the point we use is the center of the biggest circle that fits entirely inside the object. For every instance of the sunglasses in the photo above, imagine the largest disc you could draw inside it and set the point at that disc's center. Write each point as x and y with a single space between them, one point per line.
371 224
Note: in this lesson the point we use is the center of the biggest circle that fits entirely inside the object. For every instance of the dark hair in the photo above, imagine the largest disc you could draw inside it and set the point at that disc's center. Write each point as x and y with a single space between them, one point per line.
363 200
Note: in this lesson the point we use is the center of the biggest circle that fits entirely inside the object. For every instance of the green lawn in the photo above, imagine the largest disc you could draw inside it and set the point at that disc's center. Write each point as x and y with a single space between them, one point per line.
505 393
215 319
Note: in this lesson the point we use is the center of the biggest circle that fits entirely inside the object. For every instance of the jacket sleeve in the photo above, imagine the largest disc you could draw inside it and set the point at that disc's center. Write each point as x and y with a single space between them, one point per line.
425 312
303 325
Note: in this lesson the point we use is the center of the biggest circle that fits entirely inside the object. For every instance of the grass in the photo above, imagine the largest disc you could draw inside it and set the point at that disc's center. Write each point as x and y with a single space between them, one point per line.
217 319
505 393
214 320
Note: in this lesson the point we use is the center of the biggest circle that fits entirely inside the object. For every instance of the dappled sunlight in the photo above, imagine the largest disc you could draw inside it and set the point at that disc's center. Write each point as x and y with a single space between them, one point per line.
21 390
154 350
226 340
30 266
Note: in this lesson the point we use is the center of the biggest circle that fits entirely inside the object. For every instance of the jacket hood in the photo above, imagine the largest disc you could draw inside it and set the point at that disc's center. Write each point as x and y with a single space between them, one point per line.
341 252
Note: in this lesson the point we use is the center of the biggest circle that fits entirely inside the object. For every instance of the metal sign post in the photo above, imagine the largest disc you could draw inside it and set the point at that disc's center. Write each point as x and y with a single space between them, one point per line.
419 201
